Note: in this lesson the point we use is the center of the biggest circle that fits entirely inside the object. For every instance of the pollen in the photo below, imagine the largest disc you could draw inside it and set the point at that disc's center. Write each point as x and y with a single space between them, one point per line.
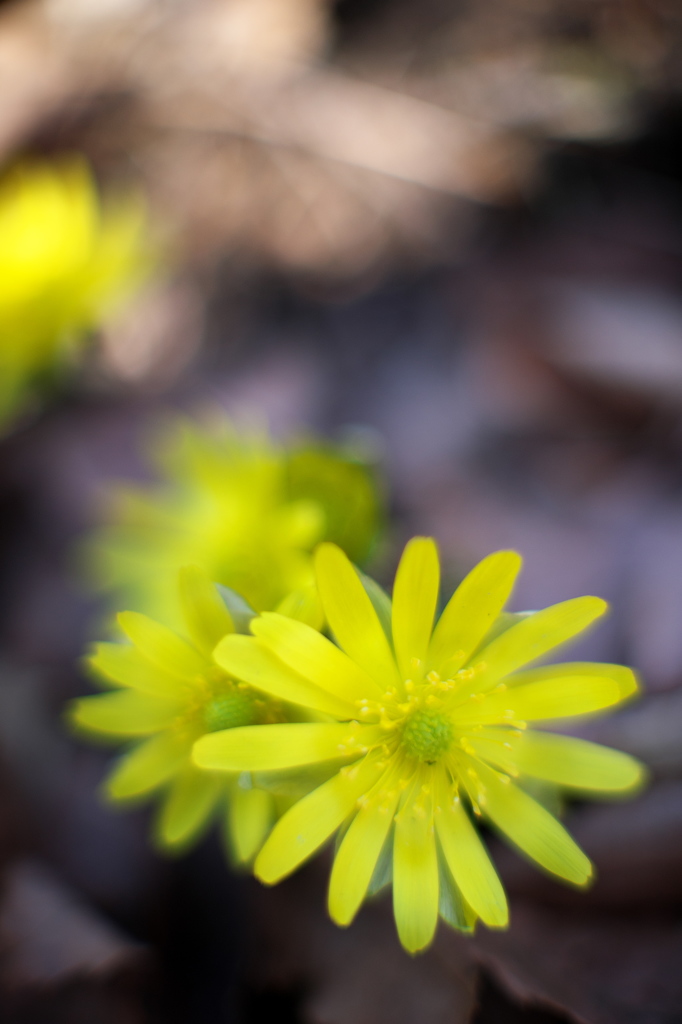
427 734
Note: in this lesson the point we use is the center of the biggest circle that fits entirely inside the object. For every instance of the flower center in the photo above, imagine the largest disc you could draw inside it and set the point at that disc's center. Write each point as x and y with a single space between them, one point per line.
427 735
230 710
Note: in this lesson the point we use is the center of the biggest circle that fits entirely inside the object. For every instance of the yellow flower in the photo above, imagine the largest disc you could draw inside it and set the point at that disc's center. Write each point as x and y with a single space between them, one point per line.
66 263
171 692
431 724
246 510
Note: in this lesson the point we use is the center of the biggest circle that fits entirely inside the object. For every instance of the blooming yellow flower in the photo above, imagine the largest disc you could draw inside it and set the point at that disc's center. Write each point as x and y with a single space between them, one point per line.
246 510
66 262
171 692
431 723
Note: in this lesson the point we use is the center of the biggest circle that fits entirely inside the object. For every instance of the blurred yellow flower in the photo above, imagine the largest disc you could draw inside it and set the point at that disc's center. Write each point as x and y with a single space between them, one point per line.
66 263
431 724
169 693
246 510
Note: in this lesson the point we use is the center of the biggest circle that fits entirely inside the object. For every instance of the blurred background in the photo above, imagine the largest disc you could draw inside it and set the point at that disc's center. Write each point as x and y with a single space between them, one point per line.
453 231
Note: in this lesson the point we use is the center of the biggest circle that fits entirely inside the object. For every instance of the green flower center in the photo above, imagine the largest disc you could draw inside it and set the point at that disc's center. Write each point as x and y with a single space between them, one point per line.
230 710
427 735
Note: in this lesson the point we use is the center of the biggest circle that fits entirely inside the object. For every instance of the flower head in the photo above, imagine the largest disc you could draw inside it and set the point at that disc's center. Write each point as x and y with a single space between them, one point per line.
246 510
66 262
169 693
431 724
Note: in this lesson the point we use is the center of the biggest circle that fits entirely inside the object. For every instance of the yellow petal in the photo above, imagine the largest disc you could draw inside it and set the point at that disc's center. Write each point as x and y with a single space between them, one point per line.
452 907
415 870
472 610
381 603
415 596
304 605
576 763
496 745
147 766
528 825
351 615
468 859
534 636
314 657
310 822
358 854
125 713
161 646
263 748
246 658
560 697
205 614
188 806
250 814
124 665
624 678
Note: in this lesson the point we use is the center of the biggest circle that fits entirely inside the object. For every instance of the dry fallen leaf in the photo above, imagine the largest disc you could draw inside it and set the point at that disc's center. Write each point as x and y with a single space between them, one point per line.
49 936
359 975
599 970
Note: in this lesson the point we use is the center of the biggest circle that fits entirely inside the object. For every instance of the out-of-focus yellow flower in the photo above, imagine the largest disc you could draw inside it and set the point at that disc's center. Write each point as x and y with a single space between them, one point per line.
169 693
66 263
246 510
432 724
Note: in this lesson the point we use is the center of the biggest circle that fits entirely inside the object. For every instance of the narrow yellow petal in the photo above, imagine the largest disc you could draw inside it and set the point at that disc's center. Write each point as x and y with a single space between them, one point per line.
263 748
452 907
535 636
381 603
358 854
314 657
250 814
415 596
496 745
205 614
123 664
147 766
351 615
472 610
310 822
248 659
191 800
560 697
304 605
162 646
125 713
468 859
576 763
624 678
415 870
528 825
